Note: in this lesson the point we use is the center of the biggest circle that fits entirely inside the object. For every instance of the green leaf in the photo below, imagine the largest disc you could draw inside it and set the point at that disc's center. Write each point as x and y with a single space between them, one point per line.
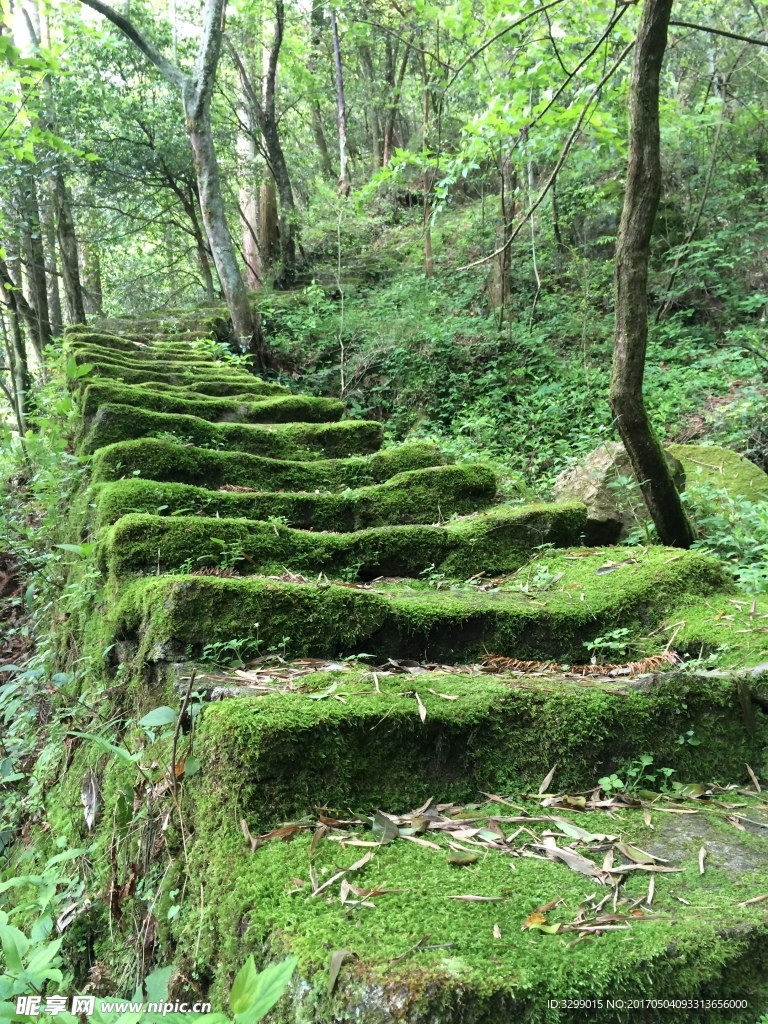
15 946
244 987
268 987
159 716
156 984
121 752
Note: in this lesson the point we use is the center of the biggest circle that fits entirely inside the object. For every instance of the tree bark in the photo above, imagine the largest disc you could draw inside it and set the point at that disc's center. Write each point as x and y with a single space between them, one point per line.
395 84
263 111
92 290
641 201
269 232
316 30
249 209
48 224
34 255
70 265
196 90
344 182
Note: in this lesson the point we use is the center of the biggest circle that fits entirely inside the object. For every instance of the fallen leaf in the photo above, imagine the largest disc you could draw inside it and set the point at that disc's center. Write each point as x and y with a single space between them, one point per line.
702 855
319 834
445 696
496 932
337 959
576 832
575 861
326 693
547 779
634 854
461 859
754 779
384 828
755 899
421 842
736 824
422 709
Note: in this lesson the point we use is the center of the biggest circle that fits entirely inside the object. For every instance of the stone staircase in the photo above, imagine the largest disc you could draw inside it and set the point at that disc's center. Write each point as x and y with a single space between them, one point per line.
367 613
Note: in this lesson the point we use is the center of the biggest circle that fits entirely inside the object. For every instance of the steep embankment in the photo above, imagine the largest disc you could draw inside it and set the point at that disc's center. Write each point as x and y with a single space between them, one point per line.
236 524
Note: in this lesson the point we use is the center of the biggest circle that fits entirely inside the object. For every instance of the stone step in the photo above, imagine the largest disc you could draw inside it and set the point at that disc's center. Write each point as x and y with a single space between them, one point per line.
493 542
133 348
191 360
301 441
244 390
183 376
159 460
418 954
548 613
418 496
278 409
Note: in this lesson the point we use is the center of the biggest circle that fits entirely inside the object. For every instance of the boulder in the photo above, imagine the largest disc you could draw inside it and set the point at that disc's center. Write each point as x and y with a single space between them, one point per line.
722 468
605 483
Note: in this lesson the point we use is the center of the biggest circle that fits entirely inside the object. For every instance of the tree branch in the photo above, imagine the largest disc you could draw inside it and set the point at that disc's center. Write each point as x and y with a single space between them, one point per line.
720 32
167 68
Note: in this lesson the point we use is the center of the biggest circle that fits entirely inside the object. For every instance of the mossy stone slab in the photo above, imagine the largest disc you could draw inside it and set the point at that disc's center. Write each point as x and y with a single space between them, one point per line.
418 496
156 459
721 468
165 616
497 541
302 441
277 409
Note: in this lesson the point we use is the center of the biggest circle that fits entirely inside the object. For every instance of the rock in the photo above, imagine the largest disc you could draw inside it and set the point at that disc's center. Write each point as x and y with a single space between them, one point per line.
722 468
605 483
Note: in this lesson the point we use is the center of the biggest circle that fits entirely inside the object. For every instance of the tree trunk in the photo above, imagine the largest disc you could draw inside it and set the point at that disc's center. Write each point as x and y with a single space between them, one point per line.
48 225
268 223
641 201
395 85
70 266
92 290
35 259
249 211
344 182
17 394
247 329
316 29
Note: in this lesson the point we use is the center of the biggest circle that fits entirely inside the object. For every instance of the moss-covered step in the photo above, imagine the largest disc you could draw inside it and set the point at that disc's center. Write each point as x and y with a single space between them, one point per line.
302 441
721 468
159 459
420 952
245 390
278 409
223 380
192 360
550 611
418 496
291 752
104 346
493 542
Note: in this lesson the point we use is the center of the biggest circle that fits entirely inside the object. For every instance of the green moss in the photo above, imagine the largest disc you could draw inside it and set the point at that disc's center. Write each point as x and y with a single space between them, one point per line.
495 542
255 387
419 496
157 459
290 753
177 614
220 378
191 360
730 627
375 752
280 409
281 441
721 467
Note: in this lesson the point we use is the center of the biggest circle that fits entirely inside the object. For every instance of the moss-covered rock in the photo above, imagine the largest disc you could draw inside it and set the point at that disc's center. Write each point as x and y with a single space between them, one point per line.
190 360
156 459
722 468
245 391
302 441
498 541
278 409
418 496
543 615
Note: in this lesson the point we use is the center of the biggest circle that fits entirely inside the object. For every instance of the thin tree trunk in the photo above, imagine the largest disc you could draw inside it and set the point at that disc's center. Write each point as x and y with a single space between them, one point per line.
92 291
269 234
16 390
396 86
246 330
70 265
12 279
641 201
249 207
344 182
35 259
48 225
316 29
